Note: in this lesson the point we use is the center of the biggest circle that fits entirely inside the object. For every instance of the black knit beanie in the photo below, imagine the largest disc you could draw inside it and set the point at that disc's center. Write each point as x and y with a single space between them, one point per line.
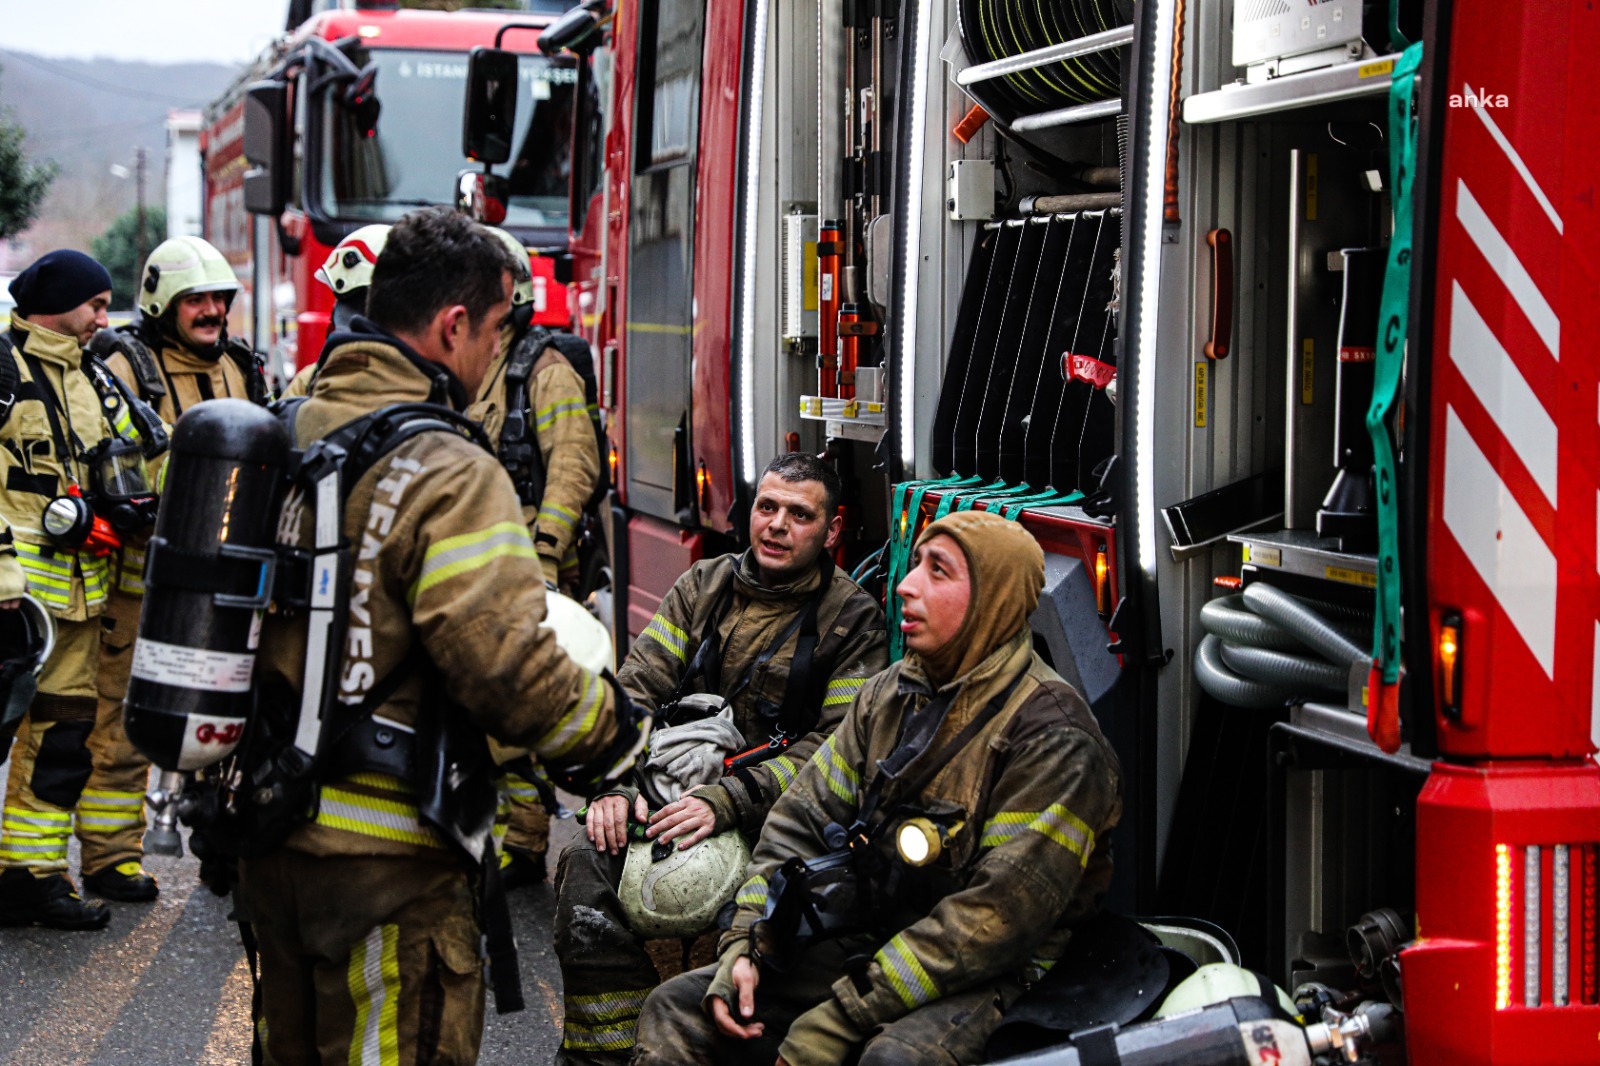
58 282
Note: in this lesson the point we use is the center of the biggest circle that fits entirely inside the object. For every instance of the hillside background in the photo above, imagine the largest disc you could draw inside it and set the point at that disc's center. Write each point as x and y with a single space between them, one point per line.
89 115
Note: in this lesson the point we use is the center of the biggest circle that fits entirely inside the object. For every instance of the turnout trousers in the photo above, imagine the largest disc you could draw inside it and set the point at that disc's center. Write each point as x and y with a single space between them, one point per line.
675 1029
50 758
110 822
364 960
606 973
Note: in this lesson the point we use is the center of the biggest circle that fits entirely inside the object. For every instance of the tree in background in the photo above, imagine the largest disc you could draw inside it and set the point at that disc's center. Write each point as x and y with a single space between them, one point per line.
23 182
118 251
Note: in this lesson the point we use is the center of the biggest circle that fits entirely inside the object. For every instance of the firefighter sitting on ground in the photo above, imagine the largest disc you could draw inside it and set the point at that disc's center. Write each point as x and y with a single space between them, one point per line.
972 861
66 441
555 480
366 919
175 356
740 627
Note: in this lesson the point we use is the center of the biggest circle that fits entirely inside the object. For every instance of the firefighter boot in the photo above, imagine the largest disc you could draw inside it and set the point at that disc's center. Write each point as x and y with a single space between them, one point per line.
125 882
48 901
519 867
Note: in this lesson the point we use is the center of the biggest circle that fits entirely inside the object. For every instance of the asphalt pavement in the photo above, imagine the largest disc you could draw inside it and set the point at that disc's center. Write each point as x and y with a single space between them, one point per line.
167 983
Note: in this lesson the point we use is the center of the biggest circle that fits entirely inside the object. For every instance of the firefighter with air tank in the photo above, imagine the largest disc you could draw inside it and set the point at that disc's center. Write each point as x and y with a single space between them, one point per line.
351 775
533 407
750 661
74 447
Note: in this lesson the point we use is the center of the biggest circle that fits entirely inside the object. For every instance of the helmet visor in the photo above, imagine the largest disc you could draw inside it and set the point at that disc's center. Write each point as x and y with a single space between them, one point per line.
118 472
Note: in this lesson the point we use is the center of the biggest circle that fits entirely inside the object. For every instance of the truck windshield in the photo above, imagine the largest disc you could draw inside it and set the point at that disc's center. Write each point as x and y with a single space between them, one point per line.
413 158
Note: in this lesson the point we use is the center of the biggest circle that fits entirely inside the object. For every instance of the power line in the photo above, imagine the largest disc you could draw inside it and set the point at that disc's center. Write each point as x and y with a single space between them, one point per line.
120 90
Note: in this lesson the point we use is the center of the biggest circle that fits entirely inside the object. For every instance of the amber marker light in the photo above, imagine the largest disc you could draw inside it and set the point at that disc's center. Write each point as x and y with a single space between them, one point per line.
1502 926
1449 659
1102 580
702 480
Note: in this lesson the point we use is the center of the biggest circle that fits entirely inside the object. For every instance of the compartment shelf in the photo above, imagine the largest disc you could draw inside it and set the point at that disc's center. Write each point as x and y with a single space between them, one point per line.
1346 81
1302 552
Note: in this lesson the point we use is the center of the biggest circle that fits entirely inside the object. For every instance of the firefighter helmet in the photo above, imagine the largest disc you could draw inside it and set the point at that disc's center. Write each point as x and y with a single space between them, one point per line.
349 266
180 266
581 635
1219 982
681 894
522 274
27 636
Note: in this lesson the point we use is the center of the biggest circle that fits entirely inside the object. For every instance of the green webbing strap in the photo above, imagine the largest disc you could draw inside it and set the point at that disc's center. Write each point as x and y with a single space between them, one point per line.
902 532
1052 499
1397 37
1392 325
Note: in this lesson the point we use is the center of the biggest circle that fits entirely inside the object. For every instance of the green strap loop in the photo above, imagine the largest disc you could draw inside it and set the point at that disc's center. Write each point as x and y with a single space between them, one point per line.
1390 361
902 533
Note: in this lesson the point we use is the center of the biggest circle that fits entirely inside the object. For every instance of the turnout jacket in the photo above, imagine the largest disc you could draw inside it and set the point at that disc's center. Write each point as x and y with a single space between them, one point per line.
188 377
1037 790
444 572
72 585
851 647
559 417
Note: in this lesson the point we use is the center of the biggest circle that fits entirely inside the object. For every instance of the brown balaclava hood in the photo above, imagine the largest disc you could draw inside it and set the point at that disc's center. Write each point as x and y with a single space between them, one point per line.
1005 566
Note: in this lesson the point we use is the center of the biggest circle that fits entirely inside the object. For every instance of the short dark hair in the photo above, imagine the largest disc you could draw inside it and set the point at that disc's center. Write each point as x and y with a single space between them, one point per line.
436 258
802 466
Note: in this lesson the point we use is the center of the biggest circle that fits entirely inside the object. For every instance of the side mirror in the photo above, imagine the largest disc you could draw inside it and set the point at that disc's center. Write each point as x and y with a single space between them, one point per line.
266 183
489 122
482 197
574 31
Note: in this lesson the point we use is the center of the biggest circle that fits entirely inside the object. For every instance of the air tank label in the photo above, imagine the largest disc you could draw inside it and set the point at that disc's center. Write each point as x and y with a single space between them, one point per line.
207 739
195 668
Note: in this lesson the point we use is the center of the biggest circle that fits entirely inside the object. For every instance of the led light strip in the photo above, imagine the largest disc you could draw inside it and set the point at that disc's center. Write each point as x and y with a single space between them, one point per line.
1502 926
1531 926
750 240
911 244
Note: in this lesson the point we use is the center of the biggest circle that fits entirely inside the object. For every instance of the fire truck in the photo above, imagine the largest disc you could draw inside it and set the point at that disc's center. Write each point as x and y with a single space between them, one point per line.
1267 319
359 107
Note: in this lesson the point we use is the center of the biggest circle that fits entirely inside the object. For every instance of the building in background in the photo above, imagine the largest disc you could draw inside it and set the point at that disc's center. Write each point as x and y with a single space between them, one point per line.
185 199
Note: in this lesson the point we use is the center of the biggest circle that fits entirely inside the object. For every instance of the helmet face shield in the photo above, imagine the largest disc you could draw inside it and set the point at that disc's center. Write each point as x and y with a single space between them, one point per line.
117 471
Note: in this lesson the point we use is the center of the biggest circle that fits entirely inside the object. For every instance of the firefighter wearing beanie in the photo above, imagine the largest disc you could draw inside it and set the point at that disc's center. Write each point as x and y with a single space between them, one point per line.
53 419
1001 773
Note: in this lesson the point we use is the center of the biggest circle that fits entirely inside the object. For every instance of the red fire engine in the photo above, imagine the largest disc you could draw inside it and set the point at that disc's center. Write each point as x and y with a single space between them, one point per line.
364 101
1269 320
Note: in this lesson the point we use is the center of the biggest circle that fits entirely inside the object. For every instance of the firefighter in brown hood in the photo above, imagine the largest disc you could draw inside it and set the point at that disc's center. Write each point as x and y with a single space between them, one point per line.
961 809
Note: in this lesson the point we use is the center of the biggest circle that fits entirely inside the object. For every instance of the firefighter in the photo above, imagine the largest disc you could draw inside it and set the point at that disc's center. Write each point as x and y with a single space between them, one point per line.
975 792
555 408
732 626
366 920
347 272
53 417
175 356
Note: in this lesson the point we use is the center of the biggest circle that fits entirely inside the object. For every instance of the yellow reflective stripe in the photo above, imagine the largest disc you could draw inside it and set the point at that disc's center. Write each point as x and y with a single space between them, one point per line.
843 781
122 423
463 554
555 514
1055 823
374 980
550 414
577 721
603 1022
754 893
784 770
520 788
21 816
668 636
34 559
382 819
906 973
34 838
108 822
101 797
842 690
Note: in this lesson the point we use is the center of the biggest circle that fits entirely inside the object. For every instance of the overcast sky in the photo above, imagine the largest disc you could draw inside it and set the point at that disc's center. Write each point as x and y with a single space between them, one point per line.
157 31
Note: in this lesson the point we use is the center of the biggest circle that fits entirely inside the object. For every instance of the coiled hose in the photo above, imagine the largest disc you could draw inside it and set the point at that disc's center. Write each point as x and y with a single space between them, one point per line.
1255 652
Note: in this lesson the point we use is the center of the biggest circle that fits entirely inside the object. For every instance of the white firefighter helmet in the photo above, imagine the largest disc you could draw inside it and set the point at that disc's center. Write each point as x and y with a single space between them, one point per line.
180 266
27 637
580 634
681 894
522 274
1219 982
348 267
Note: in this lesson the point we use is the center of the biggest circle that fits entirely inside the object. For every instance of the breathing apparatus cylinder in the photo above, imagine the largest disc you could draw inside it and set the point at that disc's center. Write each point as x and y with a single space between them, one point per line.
208 577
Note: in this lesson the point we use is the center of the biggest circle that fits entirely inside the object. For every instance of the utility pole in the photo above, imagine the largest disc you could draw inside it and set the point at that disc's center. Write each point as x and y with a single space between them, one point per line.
139 218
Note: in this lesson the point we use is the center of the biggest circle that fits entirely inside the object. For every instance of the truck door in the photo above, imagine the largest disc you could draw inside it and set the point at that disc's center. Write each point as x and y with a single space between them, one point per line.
660 301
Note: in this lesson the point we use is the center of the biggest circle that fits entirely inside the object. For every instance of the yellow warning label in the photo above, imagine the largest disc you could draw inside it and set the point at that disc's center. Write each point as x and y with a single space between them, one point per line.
1261 555
1374 69
1351 577
1311 186
1200 371
808 277
1308 371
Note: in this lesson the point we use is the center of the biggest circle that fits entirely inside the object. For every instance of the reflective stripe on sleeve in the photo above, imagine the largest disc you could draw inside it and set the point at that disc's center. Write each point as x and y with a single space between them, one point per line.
576 722
555 515
842 690
1055 823
843 781
603 1022
463 554
551 413
754 893
906 973
784 771
668 636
